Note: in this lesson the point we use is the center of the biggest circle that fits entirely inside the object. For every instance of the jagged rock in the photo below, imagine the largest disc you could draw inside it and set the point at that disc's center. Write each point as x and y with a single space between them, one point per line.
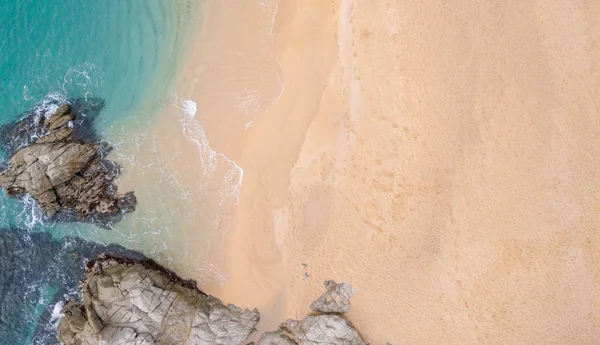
335 300
276 338
63 174
138 302
323 329
330 328
36 271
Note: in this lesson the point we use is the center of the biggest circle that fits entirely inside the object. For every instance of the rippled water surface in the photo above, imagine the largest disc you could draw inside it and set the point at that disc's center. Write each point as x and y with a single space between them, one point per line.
124 52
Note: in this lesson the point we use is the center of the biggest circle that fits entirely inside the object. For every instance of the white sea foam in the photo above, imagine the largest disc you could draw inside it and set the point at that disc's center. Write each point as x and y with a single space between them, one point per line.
56 313
30 215
222 173
75 76
49 104
235 177
80 75
189 107
194 132
26 93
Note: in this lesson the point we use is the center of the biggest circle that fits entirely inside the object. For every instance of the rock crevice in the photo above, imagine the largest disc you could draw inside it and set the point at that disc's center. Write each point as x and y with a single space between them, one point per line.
328 327
62 174
139 302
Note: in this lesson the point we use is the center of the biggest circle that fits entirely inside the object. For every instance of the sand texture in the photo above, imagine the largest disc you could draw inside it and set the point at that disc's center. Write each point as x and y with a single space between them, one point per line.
440 156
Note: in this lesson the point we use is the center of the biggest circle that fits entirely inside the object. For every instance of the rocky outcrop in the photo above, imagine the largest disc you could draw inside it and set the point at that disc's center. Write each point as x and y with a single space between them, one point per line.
63 174
138 302
36 272
328 328
331 329
335 300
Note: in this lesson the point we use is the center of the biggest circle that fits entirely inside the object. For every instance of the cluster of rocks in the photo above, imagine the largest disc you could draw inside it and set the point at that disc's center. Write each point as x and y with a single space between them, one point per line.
134 301
328 327
62 173
138 302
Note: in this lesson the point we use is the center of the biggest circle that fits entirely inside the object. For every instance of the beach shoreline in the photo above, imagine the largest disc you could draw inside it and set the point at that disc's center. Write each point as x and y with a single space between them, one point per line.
418 151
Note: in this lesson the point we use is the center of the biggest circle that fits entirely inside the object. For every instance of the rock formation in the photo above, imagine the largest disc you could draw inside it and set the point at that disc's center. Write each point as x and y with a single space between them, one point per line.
335 300
63 174
138 302
36 272
331 329
328 328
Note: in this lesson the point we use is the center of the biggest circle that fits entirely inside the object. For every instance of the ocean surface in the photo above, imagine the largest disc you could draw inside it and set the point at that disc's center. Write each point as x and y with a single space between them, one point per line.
122 52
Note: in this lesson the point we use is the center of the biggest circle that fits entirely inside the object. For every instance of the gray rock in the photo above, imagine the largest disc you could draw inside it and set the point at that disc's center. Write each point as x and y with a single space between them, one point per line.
335 300
62 174
330 328
276 338
138 302
323 329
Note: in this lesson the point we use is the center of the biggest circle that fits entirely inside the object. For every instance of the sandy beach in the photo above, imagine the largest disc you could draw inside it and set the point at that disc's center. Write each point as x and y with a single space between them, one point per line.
442 157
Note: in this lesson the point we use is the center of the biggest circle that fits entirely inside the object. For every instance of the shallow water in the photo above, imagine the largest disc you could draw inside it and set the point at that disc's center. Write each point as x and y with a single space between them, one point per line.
122 52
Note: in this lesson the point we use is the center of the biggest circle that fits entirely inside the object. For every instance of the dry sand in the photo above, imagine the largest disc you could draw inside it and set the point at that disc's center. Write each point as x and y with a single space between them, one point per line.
441 156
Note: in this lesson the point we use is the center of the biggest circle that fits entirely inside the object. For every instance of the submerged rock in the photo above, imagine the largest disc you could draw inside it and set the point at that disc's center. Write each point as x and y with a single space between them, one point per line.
138 302
329 328
63 174
335 300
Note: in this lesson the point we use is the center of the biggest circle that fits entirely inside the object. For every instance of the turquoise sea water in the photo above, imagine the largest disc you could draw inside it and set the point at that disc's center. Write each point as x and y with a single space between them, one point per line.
122 51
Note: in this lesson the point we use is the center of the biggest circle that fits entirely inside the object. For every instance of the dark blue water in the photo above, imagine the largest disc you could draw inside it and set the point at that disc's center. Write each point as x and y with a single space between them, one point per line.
37 272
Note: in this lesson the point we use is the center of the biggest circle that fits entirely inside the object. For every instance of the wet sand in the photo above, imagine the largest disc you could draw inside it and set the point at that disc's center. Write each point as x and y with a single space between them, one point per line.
441 157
